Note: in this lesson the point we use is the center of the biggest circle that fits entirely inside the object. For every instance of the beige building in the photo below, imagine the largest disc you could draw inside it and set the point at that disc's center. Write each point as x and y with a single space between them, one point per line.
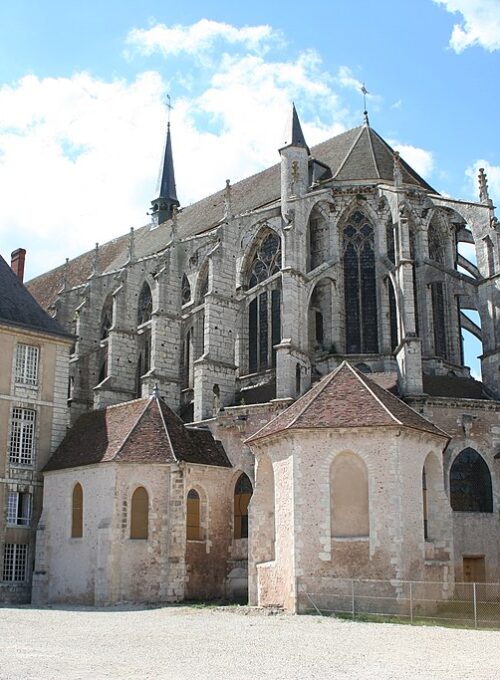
34 352
235 307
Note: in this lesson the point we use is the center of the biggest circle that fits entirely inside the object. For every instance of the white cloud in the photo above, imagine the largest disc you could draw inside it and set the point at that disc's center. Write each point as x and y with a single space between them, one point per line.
79 156
419 159
492 175
198 37
480 23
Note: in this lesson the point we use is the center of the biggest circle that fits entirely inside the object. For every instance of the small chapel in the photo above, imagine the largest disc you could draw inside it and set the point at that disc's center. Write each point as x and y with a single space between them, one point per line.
267 388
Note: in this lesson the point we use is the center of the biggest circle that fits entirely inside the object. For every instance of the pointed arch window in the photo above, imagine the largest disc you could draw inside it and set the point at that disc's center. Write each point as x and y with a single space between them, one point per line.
139 514
242 495
185 290
77 512
360 286
145 305
470 483
266 261
193 517
106 317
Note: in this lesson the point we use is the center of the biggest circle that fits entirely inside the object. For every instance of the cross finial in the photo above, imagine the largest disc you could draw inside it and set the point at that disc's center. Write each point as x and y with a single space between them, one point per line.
365 112
169 108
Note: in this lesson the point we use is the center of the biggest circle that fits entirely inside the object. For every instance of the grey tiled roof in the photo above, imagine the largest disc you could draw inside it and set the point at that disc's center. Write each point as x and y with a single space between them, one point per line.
358 154
19 308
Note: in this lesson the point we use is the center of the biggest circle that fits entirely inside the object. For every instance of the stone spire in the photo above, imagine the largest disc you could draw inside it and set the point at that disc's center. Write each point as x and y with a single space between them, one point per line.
167 195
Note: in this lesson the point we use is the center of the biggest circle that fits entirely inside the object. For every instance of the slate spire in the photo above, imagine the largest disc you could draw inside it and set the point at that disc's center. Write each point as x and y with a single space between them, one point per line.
295 136
167 195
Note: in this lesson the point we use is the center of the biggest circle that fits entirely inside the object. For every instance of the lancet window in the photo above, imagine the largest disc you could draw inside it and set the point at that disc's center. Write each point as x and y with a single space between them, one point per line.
145 305
360 286
185 290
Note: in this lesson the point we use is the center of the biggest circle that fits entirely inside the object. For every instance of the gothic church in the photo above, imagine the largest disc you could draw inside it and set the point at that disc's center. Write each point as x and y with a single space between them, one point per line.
268 391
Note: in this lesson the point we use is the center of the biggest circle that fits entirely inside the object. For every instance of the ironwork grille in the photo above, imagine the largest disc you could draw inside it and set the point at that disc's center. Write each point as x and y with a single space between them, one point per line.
22 436
27 364
15 560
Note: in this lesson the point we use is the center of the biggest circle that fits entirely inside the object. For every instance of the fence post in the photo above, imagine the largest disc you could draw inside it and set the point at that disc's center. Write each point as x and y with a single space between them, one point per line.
352 598
475 603
411 601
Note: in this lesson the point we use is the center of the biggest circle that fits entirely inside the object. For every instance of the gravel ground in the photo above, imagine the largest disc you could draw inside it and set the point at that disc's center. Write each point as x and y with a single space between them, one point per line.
192 643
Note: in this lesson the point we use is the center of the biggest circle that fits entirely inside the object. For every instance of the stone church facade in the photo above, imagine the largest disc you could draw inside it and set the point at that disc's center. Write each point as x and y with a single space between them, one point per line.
233 311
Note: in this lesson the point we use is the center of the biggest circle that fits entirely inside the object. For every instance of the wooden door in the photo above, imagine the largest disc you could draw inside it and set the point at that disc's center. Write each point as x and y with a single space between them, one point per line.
474 570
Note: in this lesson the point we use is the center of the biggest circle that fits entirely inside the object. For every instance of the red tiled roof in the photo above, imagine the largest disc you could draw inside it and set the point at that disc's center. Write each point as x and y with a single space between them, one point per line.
347 398
139 431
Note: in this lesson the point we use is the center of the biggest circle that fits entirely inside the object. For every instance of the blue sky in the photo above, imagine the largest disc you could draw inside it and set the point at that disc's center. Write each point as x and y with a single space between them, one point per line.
83 85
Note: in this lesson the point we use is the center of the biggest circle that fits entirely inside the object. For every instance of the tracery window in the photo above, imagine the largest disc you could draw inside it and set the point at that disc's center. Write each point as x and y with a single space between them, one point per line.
185 290
267 260
145 305
470 483
360 286
242 495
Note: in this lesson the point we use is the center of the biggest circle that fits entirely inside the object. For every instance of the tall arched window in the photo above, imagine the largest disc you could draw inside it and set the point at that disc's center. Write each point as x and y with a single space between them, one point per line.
139 513
185 290
77 512
266 261
360 286
106 317
242 495
470 483
349 497
145 304
264 311
193 516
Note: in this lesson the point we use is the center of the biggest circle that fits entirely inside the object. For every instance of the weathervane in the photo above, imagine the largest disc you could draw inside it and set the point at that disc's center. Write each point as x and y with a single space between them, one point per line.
365 112
169 107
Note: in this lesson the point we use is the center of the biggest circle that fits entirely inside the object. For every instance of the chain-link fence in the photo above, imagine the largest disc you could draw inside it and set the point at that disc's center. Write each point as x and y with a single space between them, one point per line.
458 604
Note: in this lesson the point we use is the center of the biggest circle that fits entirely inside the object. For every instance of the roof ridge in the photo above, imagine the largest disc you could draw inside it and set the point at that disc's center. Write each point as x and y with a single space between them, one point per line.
358 137
127 436
327 380
377 169
166 428
361 379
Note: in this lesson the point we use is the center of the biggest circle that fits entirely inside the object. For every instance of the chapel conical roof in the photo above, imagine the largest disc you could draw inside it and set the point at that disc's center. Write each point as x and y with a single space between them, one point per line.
347 398
138 431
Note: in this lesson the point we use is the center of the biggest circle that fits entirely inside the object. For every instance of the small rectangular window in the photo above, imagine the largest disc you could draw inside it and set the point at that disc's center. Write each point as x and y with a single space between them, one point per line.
22 436
27 364
15 559
19 508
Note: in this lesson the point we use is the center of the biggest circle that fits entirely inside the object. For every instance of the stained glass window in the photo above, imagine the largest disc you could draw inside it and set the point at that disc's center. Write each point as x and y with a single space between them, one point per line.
106 318
439 321
267 260
436 247
360 286
470 483
264 330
